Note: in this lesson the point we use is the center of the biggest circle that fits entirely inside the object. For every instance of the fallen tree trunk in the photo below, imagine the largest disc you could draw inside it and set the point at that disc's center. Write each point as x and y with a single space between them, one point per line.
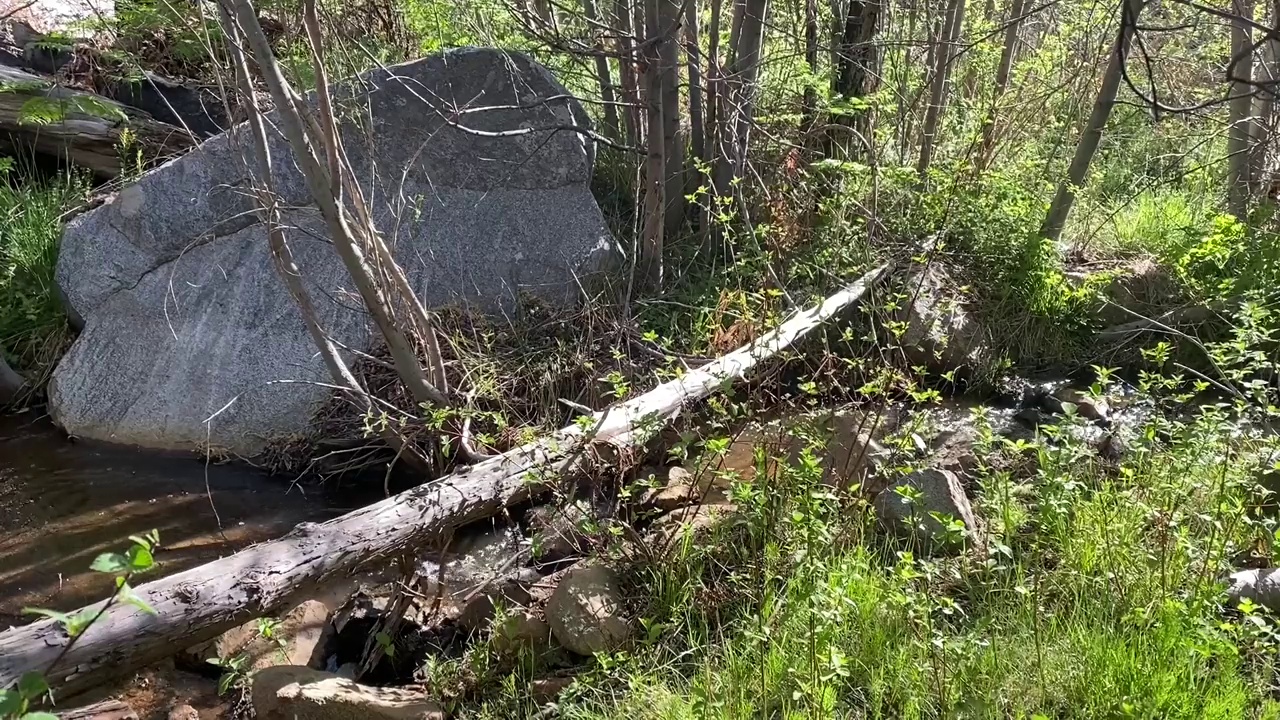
78 126
200 603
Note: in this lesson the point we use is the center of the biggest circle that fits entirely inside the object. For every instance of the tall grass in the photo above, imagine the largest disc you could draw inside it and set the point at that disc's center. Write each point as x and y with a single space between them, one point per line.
33 326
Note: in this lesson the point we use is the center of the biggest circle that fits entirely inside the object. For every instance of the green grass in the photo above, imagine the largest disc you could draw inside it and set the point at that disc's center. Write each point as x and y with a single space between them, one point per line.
1098 595
33 326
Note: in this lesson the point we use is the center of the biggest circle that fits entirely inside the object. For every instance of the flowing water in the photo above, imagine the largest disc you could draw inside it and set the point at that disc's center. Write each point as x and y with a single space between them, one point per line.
63 503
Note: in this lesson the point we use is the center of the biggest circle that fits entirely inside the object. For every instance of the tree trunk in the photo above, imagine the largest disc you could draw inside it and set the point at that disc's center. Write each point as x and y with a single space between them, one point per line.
198 604
1003 72
673 150
86 129
1240 109
939 84
1267 79
631 115
857 73
809 110
1087 146
693 51
604 75
744 74
655 186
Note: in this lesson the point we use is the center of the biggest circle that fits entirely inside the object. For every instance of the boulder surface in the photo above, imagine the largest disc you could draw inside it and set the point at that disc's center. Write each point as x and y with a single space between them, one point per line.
189 337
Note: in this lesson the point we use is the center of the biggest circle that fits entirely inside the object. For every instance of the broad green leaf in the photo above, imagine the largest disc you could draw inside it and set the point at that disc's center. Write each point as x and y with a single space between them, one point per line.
39 716
11 703
140 558
127 595
111 563
51 614
33 685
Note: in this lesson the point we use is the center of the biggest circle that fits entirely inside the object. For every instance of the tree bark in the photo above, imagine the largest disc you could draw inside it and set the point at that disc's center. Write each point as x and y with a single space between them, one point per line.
809 110
697 118
1267 80
88 139
655 201
604 75
200 603
1087 146
1003 72
857 73
939 84
673 150
743 75
1240 110
631 115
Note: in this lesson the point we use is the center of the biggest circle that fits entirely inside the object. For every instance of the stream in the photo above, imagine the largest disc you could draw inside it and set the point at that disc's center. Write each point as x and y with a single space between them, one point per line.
62 503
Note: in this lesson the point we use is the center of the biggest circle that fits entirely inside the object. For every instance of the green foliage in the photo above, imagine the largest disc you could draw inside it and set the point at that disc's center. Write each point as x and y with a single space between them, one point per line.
33 688
33 325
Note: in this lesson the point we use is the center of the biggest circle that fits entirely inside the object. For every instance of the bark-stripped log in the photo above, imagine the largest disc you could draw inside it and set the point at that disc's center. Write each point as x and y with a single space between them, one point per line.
88 139
200 603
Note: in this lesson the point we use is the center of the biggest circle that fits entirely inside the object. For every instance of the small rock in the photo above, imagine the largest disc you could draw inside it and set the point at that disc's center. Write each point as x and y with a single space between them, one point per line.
940 492
695 520
1087 406
940 333
519 630
683 488
184 712
544 690
11 383
510 591
299 638
585 611
560 531
1262 586
296 693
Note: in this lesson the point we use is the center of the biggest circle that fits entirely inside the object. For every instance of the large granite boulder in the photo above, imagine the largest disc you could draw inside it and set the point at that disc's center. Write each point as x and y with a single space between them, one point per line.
189 337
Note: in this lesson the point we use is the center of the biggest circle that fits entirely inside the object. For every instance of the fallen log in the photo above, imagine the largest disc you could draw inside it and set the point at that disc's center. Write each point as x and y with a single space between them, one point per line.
198 604
78 126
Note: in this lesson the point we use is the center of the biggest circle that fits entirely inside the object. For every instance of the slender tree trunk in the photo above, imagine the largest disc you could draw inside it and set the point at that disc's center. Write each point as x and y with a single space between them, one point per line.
1087 146
1003 72
1240 110
1267 80
673 143
631 115
744 71
651 248
605 77
940 83
697 119
809 112
857 73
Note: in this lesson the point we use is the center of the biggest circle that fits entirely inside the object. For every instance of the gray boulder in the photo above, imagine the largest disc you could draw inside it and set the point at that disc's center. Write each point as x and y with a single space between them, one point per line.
11 383
185 319
585 611
937 492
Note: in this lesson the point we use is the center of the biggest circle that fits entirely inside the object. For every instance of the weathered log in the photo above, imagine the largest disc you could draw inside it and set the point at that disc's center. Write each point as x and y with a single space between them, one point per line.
78 126
200 603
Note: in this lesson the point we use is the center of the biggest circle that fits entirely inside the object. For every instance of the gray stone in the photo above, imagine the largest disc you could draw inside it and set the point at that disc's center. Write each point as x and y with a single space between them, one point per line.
190 338
11 383
1261 586
1086 405
940 492
585 611
298 638
940 334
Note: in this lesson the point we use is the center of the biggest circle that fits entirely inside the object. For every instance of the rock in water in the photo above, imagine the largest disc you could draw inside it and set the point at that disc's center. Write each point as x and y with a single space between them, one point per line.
185 318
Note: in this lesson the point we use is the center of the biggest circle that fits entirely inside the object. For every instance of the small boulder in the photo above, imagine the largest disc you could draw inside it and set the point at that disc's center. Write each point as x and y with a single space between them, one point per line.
297 693
184 712
680 488
693 520
299 638
939 491
519 630
545 690
560 531
940 334
11 383
1087 406
585 612
1261 586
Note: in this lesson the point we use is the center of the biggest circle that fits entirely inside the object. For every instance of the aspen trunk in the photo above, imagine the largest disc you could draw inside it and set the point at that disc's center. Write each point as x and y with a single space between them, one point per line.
604 75
1087 146
1240 110
939 84
1003 72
